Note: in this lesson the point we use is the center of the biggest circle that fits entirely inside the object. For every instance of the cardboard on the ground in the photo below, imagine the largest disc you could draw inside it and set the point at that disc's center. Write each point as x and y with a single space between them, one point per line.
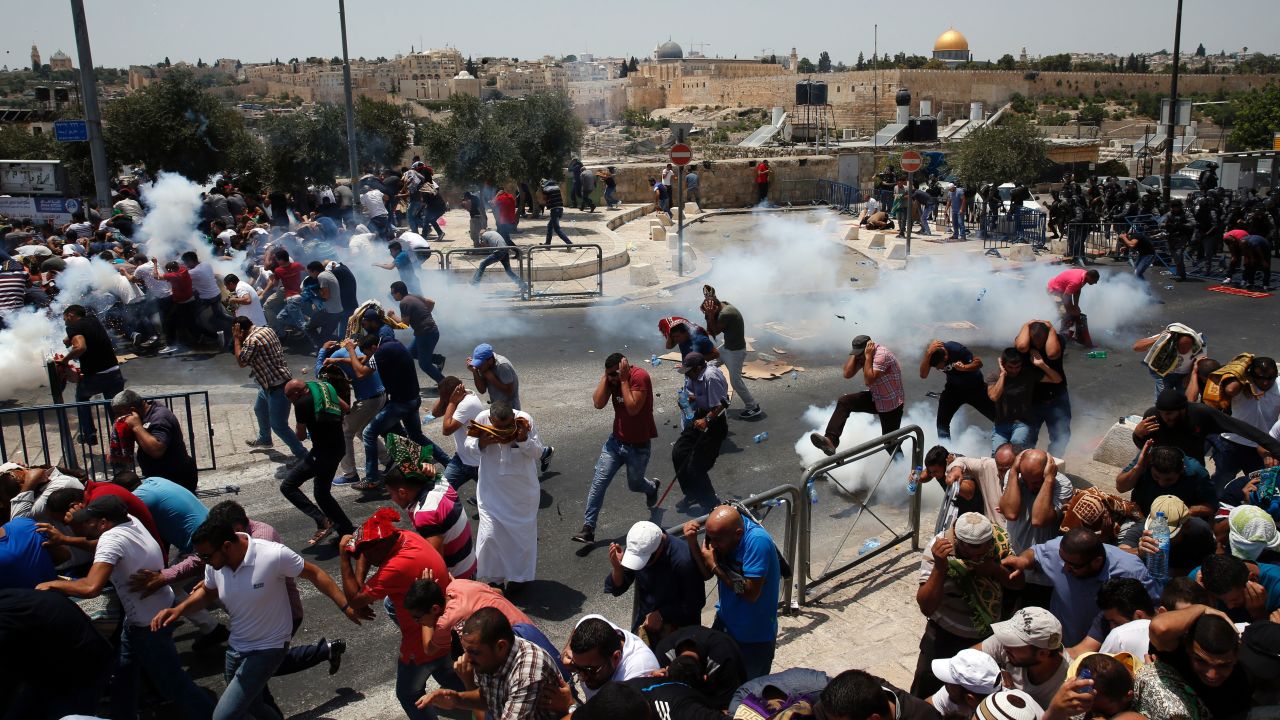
761 370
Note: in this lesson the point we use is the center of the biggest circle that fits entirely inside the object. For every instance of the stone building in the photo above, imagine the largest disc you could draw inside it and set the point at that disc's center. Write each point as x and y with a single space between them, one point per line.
59 61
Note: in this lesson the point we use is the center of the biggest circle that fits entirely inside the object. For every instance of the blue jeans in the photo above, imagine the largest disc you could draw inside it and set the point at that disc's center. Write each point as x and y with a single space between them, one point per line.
1018 433
1144 262
1056 415
531 633
247 674
424 348
396 414
497 256
411 684
291 315
1232 460
610 193
757 657
142 650
325 326
553 226
458 473
958 228
613 456
105 383
925 212
272 409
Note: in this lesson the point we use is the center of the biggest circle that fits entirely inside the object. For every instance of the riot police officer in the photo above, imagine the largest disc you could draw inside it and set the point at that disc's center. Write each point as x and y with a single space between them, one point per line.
1178 229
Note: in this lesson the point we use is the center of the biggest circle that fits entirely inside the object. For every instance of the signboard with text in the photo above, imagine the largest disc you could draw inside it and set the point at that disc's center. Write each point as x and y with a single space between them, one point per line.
31 177
71 131
39 209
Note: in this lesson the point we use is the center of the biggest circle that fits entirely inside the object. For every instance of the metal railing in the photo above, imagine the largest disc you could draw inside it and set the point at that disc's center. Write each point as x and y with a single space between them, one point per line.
580 290
43 434
841 196
891 444
1001 231
446 259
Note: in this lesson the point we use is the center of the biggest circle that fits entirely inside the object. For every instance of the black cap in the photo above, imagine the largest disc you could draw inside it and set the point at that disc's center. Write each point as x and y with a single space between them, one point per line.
860 344
107 507
1171 399
1260 651
693 360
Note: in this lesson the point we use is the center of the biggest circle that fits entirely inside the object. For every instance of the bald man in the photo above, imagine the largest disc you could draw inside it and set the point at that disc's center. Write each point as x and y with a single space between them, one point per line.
1035 494
318 412
739 553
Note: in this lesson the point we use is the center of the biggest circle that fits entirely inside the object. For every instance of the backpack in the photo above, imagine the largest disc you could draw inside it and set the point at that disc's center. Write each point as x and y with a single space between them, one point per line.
1233 370
333 375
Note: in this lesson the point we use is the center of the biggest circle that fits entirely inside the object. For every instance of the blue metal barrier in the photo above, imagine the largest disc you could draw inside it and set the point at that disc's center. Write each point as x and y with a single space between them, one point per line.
842 196
1024 226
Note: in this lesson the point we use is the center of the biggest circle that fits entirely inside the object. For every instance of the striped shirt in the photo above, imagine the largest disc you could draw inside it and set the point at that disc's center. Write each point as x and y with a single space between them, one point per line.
261 351
13 290
512 692
886 390
439 513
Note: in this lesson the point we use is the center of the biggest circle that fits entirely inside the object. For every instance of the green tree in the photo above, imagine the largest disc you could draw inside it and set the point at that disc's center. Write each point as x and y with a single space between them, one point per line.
18 144
468 146
1091 113
635 65
824 62
545 134
175 125
805 66
622 70
302 148
1055 63
1006 62
1257 118
382 133
861 64
570 58
1200 50
1012 151
471 68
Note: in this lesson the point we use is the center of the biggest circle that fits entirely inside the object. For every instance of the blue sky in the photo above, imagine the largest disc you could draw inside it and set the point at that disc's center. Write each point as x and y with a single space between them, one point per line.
146 31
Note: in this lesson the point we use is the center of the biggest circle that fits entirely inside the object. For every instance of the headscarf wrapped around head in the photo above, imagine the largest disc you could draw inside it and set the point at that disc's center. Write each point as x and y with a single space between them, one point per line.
380 526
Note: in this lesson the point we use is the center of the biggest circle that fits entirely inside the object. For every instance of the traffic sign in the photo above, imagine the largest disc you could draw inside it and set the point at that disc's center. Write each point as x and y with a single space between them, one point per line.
911 161
681 154
70 130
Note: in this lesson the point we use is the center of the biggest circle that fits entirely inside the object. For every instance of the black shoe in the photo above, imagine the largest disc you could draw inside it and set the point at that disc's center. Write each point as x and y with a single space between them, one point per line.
336 648
586 536
823 443
651 495
438 361
545 463
211 639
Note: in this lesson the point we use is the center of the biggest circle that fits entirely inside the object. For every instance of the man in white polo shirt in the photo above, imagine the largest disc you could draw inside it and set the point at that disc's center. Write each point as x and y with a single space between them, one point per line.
249 577
125 547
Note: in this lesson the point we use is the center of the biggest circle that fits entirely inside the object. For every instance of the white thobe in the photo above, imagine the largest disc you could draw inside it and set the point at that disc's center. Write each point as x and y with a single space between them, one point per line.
507 494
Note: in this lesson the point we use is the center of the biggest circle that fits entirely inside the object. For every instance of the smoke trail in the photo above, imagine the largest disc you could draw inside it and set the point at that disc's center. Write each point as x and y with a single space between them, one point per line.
173 211
30 339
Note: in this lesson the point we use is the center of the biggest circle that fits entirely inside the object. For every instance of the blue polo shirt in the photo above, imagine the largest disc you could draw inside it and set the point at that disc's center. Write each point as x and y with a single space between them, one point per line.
755 557
175 509
24 563
369 386
1074 600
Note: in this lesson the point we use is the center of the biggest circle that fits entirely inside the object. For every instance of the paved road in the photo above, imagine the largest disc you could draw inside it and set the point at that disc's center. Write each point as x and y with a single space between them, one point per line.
559 356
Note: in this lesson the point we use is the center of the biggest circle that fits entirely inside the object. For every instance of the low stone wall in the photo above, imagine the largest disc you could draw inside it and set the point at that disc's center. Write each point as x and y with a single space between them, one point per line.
731 183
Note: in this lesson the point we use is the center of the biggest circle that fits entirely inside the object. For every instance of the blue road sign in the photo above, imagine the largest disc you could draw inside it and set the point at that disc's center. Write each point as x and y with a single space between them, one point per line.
70 131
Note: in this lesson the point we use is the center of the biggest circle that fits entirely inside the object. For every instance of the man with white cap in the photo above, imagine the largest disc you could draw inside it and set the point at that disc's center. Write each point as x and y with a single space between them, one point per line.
1251 533
1028 646
670 591
968 678
961 591
1009 705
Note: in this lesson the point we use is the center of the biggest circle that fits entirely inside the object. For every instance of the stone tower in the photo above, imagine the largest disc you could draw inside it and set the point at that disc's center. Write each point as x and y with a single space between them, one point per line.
795 62
35 56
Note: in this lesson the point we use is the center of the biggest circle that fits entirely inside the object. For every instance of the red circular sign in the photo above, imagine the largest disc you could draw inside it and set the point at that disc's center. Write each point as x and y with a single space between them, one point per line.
681 154
911 161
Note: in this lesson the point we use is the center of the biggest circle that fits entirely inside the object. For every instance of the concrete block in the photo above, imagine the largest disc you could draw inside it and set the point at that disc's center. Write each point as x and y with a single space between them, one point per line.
877 240
896 250
690 208
657 232
1019 253
643 274
662 218
1058 247
1116 447
851 235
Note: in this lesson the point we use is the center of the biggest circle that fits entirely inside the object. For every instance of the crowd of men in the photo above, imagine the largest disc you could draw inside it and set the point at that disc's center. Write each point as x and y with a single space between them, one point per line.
1043 600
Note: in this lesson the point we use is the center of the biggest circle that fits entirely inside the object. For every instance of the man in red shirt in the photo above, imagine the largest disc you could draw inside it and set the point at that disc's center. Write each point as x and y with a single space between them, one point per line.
630 391
288 275
764 174
400 559
504 209
184 297
1065 289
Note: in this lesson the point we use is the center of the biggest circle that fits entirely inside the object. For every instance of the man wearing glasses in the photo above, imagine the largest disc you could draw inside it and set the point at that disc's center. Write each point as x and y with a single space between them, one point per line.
249 577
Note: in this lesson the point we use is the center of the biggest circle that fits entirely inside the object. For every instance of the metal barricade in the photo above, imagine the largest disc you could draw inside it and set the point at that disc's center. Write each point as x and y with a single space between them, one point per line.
1024 226
42 434
446 259
841 196
580 290
891 444
795 193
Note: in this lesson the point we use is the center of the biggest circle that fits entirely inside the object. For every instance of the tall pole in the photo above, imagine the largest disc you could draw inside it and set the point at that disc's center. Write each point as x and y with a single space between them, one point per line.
346 87
680 223
1173 107
92 115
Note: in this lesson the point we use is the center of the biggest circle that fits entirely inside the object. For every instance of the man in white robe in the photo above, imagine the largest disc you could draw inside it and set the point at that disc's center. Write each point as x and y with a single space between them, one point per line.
507 494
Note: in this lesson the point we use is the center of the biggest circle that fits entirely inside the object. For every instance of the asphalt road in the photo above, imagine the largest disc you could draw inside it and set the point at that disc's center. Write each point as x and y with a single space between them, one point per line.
559 355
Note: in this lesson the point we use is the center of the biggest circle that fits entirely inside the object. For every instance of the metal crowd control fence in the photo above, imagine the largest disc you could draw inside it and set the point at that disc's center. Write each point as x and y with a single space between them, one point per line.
446 258
581 290
841 196
1001 231
788 497
43 434
890 444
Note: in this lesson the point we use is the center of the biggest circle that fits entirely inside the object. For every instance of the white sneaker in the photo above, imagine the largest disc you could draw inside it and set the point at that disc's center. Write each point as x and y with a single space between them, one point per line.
167 350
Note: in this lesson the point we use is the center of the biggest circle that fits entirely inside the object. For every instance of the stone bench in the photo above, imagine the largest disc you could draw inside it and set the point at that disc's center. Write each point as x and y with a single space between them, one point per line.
643 275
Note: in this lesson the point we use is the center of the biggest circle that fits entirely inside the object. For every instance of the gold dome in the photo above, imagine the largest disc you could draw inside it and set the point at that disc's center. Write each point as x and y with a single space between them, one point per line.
951 40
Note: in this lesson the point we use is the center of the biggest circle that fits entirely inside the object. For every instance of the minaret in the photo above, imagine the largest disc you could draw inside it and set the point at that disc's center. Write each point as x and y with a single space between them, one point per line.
795 62
35 56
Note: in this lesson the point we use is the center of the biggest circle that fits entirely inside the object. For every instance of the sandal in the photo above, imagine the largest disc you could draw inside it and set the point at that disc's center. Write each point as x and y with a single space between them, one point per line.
322 533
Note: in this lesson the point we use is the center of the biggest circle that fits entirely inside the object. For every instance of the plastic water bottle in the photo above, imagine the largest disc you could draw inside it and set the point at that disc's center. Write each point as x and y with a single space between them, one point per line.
1086 674
913 480
428 419
813 492
1158 562
869 545
1097 354
654 361
761 437
981 294
232 489
794 374
686 406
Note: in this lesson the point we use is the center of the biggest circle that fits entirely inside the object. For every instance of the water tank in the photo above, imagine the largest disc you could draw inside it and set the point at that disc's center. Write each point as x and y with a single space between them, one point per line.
975 111
903 102
818 93
778 114
926 108
802 92
42 94
926 129
909 134
60 95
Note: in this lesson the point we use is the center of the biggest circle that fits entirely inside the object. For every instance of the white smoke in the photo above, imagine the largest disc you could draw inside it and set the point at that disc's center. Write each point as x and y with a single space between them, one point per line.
173 210
31 338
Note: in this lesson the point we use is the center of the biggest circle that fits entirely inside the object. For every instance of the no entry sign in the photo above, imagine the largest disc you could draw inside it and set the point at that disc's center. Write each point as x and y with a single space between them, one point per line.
681 154
911 161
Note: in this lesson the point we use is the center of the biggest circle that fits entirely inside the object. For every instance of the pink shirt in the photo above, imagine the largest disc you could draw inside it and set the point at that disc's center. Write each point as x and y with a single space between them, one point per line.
1068 282
886 390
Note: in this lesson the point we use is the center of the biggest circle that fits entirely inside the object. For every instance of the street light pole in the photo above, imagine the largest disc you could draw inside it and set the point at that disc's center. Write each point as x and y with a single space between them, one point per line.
92 115
1173 107
346 86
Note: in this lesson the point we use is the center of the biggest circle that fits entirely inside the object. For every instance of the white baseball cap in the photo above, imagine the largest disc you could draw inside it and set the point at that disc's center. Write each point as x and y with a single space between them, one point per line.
643 540
971 669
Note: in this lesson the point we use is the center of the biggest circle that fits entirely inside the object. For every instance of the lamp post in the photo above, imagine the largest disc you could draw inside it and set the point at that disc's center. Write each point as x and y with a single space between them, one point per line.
92 115
346 86
1173 107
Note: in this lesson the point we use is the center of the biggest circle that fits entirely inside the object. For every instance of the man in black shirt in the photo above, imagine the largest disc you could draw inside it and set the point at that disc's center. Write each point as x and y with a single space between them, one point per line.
670 591
1011 389
1201 646
678 696
318 411
717 654
100 374
1186 425
55 663
159 435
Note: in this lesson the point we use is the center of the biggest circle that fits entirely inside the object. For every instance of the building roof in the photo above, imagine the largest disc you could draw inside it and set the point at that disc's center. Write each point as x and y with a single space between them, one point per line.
668 51
59 55
951 40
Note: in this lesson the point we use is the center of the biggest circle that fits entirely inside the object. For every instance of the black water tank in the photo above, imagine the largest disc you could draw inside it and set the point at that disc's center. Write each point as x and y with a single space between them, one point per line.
61 95
803 92
42 94
908 133
818 93
926 129
903 97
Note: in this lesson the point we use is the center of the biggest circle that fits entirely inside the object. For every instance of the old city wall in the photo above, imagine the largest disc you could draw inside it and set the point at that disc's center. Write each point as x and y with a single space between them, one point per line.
731 183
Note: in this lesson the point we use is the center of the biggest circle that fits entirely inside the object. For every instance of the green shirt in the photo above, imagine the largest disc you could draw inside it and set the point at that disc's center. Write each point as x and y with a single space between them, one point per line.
735 334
